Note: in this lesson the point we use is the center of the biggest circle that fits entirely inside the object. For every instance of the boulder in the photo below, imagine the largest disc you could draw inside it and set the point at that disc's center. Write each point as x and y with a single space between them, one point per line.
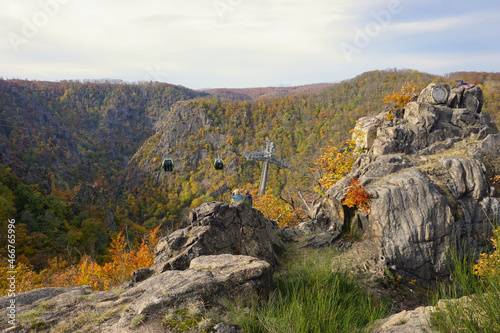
365 131
415 321
210 278
43 294
237 276
435 93
413 224
219 228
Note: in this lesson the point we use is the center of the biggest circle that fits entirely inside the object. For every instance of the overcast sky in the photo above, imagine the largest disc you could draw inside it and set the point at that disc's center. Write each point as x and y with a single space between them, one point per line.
244 43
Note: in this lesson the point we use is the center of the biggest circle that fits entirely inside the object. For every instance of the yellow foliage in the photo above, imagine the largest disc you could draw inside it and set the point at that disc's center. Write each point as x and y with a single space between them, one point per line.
489 264
57 275
277 209
333 165
403 97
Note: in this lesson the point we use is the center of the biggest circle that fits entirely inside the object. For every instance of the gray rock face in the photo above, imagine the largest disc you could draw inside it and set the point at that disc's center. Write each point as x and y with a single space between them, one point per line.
219 228
413 223
425 169
43 294
211 279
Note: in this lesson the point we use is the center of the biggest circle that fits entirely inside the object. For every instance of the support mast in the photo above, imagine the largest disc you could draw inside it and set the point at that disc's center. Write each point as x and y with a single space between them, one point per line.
266 156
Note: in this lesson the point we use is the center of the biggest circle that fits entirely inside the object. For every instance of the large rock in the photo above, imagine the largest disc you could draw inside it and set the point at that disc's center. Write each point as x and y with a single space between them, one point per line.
416 321
413 223
208 278
425 169
219 228
435 93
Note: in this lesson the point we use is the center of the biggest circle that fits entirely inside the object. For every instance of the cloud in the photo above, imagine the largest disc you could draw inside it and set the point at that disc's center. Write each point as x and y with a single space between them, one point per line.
257 42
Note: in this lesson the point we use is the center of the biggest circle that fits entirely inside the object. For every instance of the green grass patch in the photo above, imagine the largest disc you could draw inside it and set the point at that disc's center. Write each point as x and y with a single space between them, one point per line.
310 296
472 302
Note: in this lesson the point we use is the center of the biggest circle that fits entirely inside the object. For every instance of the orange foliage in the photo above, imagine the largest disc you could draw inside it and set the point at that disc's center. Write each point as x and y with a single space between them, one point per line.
88 272
356 196
122 264
403 97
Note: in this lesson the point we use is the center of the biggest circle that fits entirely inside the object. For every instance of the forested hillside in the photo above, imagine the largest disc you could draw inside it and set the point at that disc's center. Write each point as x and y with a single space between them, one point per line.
81 161
63 147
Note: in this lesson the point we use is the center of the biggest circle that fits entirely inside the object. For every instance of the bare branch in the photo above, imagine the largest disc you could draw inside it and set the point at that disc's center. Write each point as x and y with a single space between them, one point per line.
303 200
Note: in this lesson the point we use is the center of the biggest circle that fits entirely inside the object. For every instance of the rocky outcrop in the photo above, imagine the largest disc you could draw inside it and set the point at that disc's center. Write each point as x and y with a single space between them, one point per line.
425 168
227 252
219 228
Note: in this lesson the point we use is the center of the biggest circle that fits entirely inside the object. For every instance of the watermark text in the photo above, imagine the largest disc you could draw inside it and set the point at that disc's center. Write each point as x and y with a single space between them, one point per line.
31 26
11 273
363 36
223 6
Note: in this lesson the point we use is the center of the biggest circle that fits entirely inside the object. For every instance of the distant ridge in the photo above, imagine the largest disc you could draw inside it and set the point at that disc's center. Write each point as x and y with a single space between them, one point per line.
249 94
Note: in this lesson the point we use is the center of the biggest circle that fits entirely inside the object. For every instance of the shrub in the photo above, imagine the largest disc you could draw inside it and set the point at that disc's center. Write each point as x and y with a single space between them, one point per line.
333 165
488 265
356 196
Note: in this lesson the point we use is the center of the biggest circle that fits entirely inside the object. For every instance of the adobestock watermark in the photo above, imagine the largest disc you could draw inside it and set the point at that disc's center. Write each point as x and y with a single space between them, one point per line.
364 36
11 271
223 6
31 26
155 74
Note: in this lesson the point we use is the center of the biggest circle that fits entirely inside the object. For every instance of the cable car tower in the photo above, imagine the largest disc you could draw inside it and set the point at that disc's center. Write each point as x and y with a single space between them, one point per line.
266 156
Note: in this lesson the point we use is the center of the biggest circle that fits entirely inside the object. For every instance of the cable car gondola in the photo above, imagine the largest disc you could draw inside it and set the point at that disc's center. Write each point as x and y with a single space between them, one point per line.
168 165
218 164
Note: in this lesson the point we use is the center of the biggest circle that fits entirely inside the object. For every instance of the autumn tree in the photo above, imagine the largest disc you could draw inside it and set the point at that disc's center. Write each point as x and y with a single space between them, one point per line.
399 99
123 262
333 165
283 212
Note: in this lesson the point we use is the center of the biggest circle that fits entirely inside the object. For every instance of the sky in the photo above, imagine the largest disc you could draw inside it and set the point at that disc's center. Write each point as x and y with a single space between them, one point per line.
244 43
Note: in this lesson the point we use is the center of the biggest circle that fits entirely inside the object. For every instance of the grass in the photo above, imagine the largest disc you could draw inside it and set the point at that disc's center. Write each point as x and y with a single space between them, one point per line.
191 316
477 310
138 320
311 297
